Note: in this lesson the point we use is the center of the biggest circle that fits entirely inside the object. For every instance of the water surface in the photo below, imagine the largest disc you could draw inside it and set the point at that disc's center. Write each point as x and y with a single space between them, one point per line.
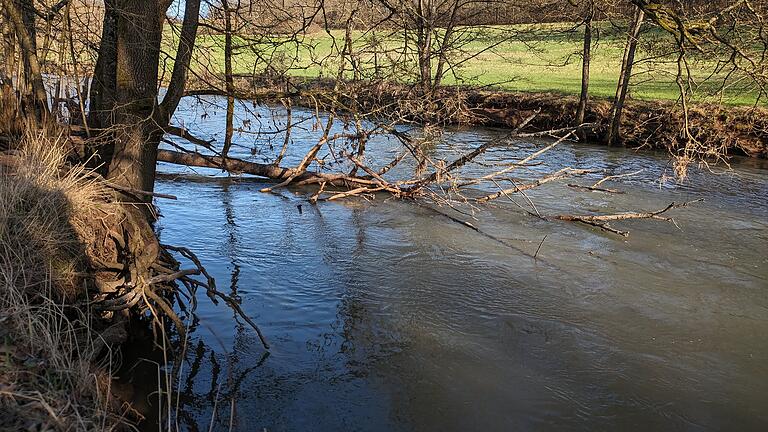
385 315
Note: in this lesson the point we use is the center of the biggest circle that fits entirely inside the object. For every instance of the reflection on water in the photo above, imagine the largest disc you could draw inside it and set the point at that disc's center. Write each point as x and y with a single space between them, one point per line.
388 316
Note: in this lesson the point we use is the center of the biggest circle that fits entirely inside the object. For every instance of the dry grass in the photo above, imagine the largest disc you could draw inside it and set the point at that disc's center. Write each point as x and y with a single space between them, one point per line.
54 364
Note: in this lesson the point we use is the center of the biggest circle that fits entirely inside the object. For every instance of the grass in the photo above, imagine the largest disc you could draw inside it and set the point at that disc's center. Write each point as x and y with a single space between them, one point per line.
53 370
539 58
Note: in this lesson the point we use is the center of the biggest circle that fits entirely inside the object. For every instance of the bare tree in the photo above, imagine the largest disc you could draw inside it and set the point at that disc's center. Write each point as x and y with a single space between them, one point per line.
625 75
21 14
230 85
585 60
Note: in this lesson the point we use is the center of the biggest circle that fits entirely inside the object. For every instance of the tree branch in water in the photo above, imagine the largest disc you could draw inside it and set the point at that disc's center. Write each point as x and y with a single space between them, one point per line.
602 221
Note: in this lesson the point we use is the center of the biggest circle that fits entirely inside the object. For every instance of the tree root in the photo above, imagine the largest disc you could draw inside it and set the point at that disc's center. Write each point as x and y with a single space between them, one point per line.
134 272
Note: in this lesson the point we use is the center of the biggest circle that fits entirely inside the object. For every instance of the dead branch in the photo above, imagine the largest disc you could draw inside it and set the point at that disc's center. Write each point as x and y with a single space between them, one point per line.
461 161
565 172
262 170
184 133
602 221
611 177
354 192
384 184
519 164
595 187
393 163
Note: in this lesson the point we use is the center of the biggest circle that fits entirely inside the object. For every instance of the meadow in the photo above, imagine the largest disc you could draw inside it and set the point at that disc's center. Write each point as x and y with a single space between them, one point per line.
527 58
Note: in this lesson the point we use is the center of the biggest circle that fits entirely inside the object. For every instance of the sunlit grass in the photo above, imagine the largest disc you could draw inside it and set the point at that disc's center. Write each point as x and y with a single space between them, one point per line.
529 58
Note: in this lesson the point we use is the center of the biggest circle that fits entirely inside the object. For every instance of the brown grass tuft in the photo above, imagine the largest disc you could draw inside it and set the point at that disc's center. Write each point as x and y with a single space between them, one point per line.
54 364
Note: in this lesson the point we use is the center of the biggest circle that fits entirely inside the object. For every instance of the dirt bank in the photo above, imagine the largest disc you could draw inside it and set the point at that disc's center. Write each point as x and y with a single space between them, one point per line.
655 125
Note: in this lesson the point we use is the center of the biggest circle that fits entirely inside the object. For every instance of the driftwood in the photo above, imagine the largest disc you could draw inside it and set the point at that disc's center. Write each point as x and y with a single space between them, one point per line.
353 184
334 186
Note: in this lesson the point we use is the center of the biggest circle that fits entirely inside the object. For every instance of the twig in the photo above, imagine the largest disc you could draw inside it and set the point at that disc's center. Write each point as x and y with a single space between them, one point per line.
461 161
595 187
610 177
516 165
538 248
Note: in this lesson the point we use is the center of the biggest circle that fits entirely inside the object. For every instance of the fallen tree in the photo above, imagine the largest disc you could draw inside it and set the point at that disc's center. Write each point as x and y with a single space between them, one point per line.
443 177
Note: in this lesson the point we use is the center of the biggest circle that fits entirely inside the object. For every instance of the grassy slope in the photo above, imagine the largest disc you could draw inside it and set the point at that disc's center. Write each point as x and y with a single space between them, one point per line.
544 62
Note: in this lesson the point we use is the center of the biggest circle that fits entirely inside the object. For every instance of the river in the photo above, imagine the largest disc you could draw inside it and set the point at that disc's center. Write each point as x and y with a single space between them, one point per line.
385 315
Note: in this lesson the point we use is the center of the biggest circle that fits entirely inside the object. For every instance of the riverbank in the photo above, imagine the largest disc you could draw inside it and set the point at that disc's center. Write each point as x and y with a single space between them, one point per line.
718 130
58 350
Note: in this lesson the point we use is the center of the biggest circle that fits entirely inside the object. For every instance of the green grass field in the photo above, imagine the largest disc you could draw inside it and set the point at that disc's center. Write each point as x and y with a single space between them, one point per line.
539 59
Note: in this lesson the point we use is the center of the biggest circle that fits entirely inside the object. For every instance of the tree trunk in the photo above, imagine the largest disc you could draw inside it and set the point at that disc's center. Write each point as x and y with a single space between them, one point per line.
124 89
445 45
424 43
10 121
614 133
586 57
8 66
22 16
103 85
228 78
137 134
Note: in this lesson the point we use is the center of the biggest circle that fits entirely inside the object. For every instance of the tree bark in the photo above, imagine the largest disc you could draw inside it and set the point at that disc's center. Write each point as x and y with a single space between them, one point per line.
137 135
103 85
614 133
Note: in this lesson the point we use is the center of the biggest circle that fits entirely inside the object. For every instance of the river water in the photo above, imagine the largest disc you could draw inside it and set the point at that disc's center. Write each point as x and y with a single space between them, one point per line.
385 315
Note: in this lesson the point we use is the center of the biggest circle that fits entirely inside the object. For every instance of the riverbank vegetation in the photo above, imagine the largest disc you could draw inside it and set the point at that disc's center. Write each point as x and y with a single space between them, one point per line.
89 94
56 361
